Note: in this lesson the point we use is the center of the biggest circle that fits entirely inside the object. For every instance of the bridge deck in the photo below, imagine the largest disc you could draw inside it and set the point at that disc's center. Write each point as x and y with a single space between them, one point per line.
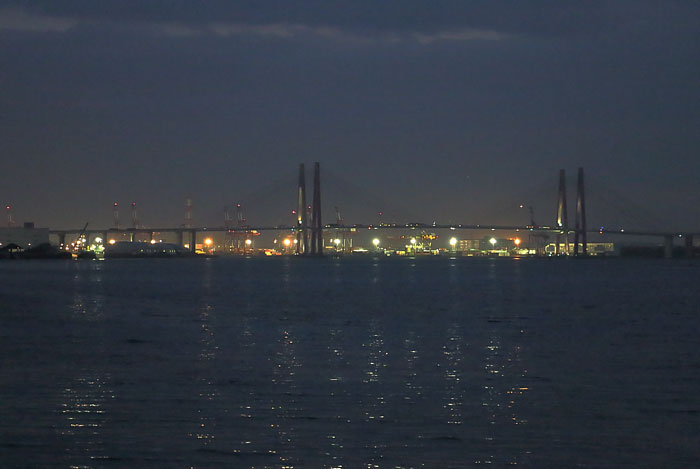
410 226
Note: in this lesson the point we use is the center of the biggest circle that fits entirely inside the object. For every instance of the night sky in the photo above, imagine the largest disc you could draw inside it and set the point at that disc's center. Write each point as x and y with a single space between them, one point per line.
455 111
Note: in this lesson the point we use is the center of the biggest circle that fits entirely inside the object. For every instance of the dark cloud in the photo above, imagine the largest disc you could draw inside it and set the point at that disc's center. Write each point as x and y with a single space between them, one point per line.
386 17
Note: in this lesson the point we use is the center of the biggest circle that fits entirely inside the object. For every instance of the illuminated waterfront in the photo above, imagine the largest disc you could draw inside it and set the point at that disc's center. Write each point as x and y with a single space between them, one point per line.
393 362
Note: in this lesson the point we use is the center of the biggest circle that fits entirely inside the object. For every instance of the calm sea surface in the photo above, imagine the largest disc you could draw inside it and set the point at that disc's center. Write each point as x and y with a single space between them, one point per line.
351 363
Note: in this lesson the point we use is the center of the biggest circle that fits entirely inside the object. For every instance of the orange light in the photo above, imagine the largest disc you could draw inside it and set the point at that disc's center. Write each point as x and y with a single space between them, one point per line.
208 241
517 241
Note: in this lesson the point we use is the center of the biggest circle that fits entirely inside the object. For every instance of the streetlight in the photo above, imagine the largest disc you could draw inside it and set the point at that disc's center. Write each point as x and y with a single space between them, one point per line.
375 241
493 242
453 243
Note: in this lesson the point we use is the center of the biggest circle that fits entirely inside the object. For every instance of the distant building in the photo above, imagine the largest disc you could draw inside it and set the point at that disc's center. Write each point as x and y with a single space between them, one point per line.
594 249
141 249
25 237
486 244
468 245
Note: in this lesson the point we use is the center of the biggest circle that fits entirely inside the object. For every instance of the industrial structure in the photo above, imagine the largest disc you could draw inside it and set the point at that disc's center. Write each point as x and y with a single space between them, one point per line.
308 236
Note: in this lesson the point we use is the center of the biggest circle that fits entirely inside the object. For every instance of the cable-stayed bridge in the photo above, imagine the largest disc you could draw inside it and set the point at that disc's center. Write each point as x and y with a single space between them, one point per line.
305 220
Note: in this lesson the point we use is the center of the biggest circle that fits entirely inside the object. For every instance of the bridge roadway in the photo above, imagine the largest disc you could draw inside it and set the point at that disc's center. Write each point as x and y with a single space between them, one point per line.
180 232
385 226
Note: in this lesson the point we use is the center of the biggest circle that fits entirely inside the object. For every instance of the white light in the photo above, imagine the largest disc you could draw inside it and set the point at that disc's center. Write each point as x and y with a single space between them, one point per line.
98 240
453 241
248 242
153 241
375 241
413 240
336 241
287 242
492 241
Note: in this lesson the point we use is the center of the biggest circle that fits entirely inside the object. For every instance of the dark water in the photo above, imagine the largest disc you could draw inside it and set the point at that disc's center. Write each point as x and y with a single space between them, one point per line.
349 363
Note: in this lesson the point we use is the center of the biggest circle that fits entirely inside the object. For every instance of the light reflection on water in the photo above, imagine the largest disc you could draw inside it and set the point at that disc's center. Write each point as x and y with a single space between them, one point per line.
286 399
84 408
338 363
452 352
208 392
372 399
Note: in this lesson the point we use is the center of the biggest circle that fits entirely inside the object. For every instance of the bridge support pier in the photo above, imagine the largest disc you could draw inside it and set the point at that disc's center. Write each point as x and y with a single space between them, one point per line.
689 245
193 241
668 246
180 240
132 236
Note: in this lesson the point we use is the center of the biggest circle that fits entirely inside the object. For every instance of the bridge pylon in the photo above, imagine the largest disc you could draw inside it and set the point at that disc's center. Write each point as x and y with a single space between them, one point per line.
562 218
580 227
302 246
188 213
134 216
316 225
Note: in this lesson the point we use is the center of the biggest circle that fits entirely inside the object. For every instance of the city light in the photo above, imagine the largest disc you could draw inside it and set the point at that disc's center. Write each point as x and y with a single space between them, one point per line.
208 241
517 241
153 241
375 241
336 241
112 241
413 240
287 242
98 240
248 242
453 242
492 241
